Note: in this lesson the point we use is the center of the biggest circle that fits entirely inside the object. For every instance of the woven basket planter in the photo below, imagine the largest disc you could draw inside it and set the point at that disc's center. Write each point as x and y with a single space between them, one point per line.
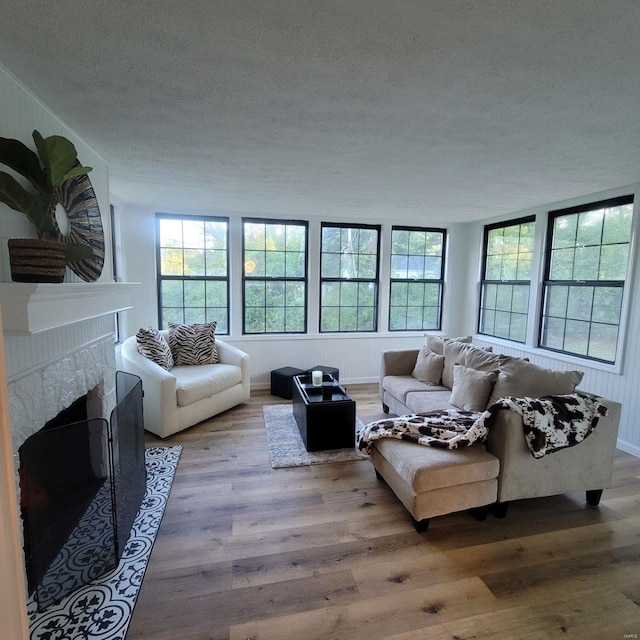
37 260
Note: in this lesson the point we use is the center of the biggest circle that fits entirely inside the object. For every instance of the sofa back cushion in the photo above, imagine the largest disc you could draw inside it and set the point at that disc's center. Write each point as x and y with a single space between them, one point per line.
469 356
520 378
471 388
436 343
428 367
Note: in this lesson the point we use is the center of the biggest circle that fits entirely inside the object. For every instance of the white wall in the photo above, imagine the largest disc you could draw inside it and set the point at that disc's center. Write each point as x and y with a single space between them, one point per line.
20 113
356 355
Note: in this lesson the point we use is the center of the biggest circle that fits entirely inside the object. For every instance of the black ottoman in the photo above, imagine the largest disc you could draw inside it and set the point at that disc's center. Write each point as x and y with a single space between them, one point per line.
281 381
330 370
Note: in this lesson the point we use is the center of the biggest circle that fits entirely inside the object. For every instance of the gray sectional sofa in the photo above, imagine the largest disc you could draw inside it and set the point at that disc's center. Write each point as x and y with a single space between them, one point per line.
453 373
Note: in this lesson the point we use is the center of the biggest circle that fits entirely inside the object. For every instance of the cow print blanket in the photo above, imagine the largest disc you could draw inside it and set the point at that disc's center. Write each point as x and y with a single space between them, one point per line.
550 423
556 422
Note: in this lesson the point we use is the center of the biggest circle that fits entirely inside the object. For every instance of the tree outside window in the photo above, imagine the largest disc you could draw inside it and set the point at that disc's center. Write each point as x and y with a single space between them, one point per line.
349 278
508 255
192 266
275 276
586 265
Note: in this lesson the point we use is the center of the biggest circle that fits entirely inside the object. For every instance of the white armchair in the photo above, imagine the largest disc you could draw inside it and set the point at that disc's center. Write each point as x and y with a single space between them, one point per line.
187 394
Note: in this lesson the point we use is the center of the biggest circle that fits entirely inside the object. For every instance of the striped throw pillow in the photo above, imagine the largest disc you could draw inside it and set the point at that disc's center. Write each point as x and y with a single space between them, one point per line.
152 345
193 343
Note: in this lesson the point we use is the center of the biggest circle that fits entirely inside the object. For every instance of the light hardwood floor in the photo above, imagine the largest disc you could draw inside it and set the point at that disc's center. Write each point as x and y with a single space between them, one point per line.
327 552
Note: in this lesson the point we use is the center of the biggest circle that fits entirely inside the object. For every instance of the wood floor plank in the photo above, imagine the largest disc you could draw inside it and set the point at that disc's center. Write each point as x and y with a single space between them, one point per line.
327 552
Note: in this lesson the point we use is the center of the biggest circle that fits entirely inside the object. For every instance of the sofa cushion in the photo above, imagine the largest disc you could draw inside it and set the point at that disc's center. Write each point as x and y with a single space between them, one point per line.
427 468
436 343
471 388
400 386
152 344
519 379
193 343
195 383
454 353
428 367
435 399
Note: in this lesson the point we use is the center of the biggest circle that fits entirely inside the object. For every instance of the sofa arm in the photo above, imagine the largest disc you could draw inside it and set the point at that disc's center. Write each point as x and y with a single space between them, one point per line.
397 362
158 386
229 354
586 466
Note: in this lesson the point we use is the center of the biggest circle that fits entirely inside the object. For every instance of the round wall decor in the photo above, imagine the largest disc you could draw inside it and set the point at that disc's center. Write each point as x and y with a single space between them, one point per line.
78 198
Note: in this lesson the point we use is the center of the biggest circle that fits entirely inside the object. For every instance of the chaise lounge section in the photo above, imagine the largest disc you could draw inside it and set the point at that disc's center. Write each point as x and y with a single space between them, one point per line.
433 481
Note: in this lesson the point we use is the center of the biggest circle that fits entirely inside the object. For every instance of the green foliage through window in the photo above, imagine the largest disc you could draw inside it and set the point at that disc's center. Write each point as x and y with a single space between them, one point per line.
193 281
417 276
508 256
349 278
587 260
274 276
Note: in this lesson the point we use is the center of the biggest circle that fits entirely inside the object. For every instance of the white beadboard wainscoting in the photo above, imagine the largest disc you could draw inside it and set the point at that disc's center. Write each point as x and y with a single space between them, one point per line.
357 356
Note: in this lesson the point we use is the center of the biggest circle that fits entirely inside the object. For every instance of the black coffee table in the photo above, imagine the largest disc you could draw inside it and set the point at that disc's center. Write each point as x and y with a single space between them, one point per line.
326 415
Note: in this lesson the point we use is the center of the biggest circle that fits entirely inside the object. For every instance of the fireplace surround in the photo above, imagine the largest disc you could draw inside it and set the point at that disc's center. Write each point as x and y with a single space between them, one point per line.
58 343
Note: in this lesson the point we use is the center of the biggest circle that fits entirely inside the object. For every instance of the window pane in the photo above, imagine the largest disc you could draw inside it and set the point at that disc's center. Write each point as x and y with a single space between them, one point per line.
590 228
275 260
171 262
509 253
613 262
171 292
564 231
617 224
518 328
603 342
582 319
607 304
194 293
580 303
562 261
193 257
349 255
416 256
586 263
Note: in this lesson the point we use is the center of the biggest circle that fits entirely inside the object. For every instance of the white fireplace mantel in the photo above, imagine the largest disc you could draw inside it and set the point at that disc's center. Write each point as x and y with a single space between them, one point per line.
30 308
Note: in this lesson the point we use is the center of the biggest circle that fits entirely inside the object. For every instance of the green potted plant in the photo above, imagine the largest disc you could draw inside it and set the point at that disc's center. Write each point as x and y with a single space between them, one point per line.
43 259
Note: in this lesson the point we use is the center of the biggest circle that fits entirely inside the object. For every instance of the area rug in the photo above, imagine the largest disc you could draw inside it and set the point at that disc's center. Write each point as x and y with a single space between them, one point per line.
102 609
286 448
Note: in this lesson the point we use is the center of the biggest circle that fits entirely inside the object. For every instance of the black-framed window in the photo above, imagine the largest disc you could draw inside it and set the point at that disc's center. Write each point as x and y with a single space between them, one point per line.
193 270
416 279
586 265
349 271
275 261
506 281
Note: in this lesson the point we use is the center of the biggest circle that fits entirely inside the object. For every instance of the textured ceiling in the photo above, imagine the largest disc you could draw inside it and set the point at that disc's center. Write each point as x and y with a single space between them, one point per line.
425 110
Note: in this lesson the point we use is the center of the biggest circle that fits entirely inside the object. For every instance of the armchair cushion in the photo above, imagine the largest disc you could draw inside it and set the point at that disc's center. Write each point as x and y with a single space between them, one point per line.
152 344
197 383
193 343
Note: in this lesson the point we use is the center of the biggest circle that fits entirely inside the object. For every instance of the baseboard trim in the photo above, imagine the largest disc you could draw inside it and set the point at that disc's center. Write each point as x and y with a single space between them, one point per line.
628 448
